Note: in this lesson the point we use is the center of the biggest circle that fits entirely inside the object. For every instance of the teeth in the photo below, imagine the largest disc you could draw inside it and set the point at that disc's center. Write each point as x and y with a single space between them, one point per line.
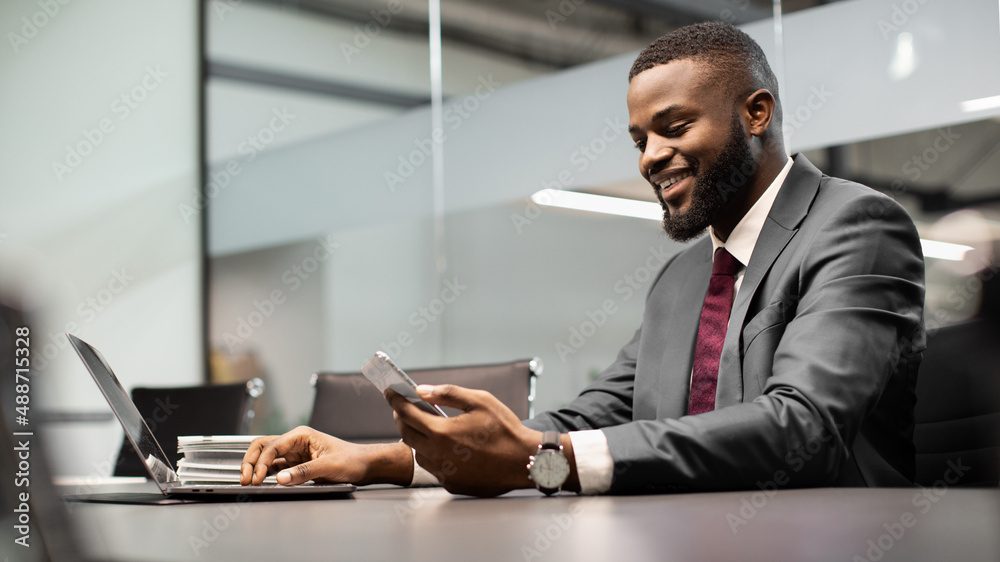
667 183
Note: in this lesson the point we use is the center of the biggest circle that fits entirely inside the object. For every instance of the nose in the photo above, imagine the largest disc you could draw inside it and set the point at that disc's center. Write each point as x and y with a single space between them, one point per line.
656 156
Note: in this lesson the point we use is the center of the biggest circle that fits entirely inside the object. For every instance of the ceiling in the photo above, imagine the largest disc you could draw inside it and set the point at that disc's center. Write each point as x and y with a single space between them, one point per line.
554 33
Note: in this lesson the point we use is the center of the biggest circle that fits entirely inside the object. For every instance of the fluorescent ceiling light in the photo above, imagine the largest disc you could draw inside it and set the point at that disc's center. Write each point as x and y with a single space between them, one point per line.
598 204
981 104
944 250
652 211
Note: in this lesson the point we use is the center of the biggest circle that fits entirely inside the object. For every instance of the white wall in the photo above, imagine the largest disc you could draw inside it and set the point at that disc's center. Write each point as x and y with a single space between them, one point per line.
94 242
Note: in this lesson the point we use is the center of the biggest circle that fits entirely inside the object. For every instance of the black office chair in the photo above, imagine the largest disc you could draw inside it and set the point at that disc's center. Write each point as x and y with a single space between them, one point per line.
224 409
958 405
346 405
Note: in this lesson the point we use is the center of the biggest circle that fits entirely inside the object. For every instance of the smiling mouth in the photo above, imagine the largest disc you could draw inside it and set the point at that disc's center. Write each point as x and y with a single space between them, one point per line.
663 186
672 180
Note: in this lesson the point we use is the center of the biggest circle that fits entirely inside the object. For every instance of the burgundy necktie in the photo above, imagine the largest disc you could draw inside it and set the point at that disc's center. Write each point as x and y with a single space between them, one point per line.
712 332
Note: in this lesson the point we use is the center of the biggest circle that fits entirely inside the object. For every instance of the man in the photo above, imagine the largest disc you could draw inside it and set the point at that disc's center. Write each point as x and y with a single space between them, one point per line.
820 281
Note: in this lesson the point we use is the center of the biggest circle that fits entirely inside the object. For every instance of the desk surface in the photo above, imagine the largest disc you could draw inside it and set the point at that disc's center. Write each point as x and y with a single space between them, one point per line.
429 524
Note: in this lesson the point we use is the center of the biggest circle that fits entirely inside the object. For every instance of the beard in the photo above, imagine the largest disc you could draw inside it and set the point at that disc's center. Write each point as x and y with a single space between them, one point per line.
713 189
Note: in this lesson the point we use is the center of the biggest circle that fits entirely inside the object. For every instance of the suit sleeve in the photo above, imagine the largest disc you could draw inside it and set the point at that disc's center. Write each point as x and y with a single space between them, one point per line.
605 402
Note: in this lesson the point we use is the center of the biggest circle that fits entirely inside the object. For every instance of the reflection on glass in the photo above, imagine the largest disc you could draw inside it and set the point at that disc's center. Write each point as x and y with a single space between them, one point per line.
904 59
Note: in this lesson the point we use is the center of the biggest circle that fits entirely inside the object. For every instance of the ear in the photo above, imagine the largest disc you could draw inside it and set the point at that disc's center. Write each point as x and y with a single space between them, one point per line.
758 109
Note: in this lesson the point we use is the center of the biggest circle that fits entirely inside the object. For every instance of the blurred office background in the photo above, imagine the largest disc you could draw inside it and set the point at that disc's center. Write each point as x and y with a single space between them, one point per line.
210 191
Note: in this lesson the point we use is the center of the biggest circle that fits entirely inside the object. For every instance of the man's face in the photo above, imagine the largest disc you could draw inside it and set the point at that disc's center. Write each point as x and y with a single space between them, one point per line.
691 141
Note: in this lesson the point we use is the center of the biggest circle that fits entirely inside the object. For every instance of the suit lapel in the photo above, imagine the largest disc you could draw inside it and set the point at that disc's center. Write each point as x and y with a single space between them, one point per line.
787 212
678 354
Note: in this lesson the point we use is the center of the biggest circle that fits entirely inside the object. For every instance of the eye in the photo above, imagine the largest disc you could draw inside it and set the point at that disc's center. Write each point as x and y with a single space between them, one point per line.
640 145
676 130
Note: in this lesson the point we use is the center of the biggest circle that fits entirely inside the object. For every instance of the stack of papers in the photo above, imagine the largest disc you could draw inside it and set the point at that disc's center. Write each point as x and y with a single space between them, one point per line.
213 458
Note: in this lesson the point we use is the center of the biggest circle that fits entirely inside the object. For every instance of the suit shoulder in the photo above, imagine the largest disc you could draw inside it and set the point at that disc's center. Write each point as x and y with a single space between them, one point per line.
684 261
698 253
838 195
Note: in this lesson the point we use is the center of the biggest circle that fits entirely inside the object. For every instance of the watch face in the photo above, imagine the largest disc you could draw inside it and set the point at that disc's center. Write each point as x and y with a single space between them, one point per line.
550 469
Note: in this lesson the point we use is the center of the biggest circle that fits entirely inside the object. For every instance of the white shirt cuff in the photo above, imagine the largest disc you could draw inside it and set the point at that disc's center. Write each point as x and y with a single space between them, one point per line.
421 477
594 465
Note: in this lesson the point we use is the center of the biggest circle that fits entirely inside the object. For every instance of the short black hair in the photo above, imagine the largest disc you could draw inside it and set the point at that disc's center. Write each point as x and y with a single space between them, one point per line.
736 61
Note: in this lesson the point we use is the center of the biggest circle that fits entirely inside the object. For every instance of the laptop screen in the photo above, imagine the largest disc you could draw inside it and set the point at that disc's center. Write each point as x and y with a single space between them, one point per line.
136 430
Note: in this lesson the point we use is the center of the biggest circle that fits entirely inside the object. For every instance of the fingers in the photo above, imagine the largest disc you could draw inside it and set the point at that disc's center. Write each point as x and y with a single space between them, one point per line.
251 456
263 451
410 435
408 413
298 474
458 397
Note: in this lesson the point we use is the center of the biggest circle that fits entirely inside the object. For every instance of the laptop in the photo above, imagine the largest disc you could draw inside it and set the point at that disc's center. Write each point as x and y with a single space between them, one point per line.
151 454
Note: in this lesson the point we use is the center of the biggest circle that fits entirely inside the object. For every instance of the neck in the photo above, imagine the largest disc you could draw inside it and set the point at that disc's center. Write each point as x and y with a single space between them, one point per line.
744 199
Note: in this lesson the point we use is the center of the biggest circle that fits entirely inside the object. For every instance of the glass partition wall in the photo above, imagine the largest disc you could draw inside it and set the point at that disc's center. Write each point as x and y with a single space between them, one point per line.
99 231
375 187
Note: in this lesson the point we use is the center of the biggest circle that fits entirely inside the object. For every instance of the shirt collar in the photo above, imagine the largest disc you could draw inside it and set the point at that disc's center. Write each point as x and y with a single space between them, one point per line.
744 237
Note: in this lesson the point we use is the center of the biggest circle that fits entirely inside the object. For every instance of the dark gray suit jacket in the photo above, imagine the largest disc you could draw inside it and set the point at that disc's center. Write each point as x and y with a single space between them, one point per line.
816 386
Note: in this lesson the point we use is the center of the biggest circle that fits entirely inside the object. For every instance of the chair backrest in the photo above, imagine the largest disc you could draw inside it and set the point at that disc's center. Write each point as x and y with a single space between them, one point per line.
223 409
957 434
346 405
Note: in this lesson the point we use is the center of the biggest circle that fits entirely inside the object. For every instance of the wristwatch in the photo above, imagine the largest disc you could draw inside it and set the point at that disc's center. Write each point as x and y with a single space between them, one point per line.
549 468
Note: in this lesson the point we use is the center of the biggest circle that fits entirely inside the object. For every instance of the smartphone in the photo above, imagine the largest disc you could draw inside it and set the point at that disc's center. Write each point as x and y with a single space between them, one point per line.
384 374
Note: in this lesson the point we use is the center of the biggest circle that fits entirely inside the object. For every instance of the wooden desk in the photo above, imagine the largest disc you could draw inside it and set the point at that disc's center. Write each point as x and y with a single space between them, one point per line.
430 524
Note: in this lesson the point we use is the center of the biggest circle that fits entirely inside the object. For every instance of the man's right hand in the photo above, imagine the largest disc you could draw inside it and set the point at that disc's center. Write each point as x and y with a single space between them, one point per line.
305 454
